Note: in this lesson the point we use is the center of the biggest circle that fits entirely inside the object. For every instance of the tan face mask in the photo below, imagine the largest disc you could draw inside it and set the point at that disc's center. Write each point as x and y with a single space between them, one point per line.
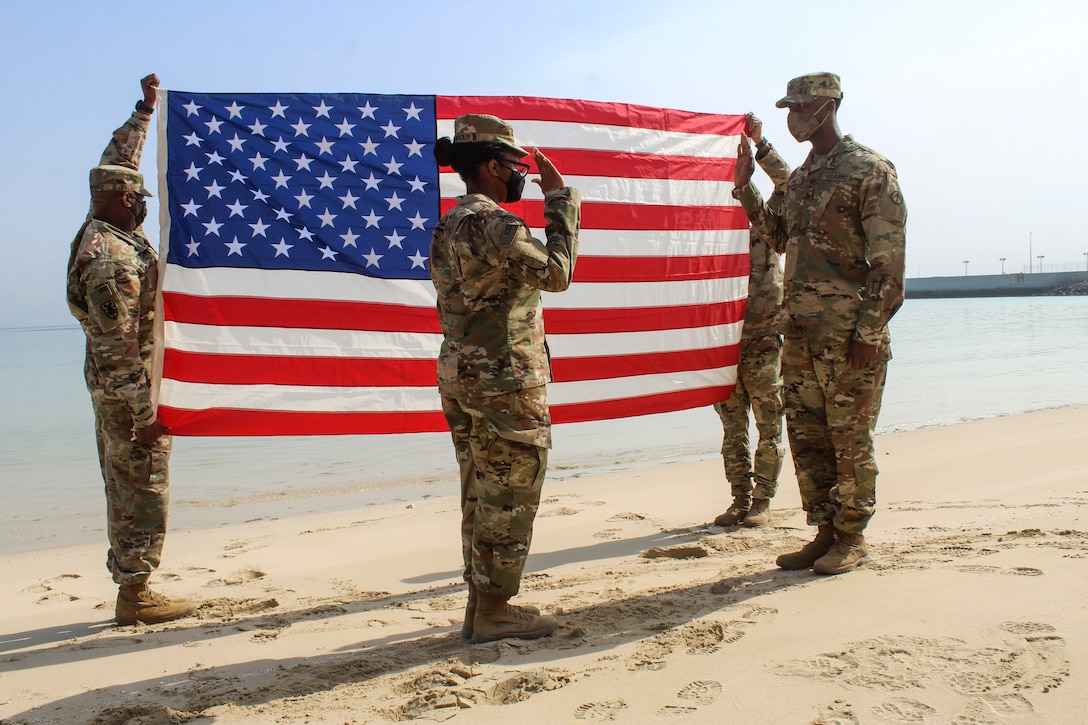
803 125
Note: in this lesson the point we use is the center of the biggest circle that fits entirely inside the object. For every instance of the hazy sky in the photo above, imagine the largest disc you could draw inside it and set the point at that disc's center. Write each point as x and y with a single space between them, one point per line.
980 105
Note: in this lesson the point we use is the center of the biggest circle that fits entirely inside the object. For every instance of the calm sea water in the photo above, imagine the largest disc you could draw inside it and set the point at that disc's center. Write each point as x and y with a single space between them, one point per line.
954 360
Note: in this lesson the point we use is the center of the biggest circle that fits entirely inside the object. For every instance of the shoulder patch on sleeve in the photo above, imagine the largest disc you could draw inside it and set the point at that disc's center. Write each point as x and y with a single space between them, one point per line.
107 309
518 244
891 206
509 233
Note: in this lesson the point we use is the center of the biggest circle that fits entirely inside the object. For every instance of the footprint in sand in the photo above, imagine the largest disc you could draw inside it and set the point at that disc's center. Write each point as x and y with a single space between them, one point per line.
627 516
1009 705
238 547
674 552
1025 571
607 534
49 594
525 685
266 636
902 709
561 511
224 608
976 569
839 712
705 638
1046 641
1028 627
760 612
676 711
650 656
599 710
242 576
974 683
703 692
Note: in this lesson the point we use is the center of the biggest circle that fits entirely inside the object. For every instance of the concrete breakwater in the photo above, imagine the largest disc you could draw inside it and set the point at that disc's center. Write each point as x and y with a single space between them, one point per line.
999 285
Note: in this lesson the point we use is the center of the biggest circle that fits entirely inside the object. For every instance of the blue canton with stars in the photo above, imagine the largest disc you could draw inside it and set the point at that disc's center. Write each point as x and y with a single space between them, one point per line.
330 182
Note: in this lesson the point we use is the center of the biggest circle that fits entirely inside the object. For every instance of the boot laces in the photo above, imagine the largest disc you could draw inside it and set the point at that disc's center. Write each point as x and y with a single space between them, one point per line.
516 611
153 597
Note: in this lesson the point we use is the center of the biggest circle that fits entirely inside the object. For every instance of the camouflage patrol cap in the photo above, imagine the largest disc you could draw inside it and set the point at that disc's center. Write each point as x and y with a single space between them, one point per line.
806 87
482 127
109 177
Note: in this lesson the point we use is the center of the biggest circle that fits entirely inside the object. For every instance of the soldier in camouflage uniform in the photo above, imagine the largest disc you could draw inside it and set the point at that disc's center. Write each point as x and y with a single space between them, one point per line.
111 290
759 372
488 272
843 220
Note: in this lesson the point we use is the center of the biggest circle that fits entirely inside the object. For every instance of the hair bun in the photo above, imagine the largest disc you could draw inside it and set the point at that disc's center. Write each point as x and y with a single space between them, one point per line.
443 151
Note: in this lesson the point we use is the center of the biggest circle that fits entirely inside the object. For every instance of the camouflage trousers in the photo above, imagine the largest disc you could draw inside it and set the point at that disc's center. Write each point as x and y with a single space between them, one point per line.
501 443
137 492
831 413
759 389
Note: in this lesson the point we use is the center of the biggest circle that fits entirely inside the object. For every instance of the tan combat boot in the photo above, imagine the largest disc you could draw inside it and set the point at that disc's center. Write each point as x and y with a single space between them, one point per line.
849 551
496 619
735 513
810 552
139 603
759 514
470 611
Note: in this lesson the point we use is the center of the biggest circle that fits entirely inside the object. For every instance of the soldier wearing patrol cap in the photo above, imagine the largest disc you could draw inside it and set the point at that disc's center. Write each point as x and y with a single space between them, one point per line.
842 224
753 475
488 271
111 290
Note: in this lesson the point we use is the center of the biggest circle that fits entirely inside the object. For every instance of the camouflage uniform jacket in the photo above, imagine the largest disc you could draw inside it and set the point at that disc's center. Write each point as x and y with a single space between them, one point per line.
488 272
765 273
843 218
111 291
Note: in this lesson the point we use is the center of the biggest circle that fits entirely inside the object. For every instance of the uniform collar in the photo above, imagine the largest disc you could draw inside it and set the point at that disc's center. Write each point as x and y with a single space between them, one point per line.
475 199
135 237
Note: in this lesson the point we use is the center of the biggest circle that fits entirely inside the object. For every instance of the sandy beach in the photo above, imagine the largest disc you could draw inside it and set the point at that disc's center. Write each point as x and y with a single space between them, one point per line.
974 609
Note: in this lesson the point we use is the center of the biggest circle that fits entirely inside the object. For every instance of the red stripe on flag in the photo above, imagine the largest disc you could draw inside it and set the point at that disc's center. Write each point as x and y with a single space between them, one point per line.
569 370
623 165
314 314
651 217
642 319
230 421
659 269
529 108
349 372
645 405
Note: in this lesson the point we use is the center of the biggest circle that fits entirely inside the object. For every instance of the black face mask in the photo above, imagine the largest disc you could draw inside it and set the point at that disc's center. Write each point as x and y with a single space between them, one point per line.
141 214
515 185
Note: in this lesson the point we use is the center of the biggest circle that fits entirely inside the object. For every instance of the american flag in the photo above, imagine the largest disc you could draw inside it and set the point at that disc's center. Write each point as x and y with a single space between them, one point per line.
296 297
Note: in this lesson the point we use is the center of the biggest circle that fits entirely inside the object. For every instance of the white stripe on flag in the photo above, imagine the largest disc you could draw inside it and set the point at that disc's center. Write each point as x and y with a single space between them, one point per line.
666 192
559 134
301 342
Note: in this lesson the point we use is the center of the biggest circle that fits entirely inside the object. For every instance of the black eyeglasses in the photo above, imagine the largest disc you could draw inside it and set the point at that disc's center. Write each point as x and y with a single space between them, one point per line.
519 168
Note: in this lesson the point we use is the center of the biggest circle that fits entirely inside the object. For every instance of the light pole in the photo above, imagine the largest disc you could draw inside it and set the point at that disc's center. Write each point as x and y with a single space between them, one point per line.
1002 260
1040 258
1086 261
965 263
1029 251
